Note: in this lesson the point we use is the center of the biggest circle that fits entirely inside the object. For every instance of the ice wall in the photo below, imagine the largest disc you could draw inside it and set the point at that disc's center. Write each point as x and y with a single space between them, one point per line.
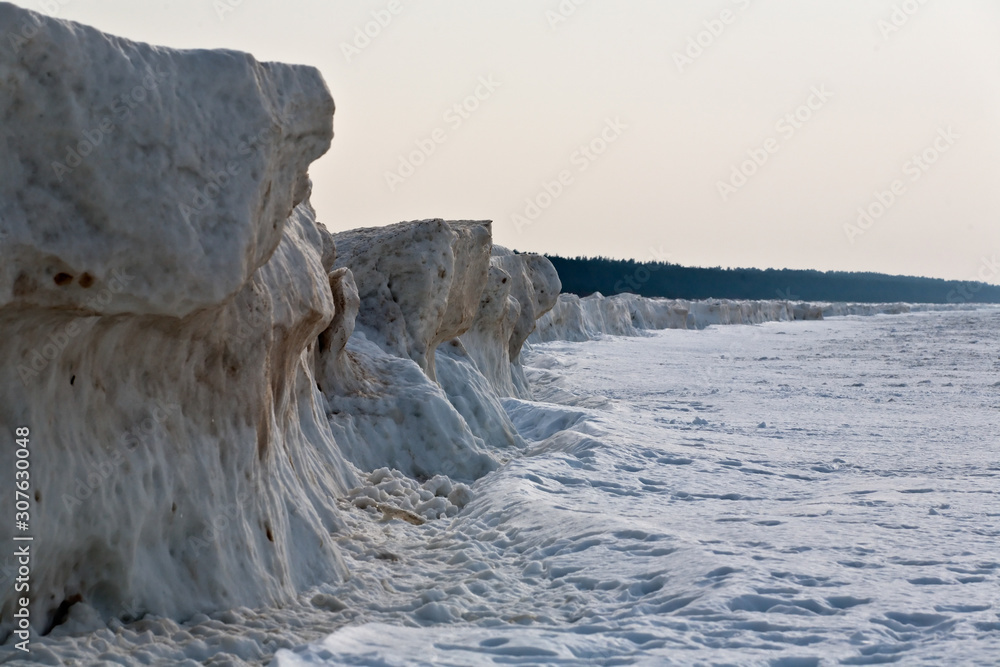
392 399
162 286
579 319
521 288
204 368
410 307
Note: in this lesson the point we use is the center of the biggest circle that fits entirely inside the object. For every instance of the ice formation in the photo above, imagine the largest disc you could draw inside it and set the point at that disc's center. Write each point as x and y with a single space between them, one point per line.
579 319
203 368
392 399
521 289
210 378
158 351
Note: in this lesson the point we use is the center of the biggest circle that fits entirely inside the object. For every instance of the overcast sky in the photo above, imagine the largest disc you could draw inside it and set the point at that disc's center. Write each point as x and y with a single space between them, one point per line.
717 132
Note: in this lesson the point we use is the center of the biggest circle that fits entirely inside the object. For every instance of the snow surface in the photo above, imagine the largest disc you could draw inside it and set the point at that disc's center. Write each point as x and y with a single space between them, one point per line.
797 493
794 493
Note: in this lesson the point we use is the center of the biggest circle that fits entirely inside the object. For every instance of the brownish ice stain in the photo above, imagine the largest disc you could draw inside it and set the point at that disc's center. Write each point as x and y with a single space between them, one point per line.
263 431
24 285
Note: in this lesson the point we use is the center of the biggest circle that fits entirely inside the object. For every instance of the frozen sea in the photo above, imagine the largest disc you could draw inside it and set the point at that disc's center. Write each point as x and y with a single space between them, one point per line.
801 493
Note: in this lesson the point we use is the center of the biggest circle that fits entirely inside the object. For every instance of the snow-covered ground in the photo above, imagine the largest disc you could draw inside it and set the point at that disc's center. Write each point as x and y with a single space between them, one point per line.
793 493
796 493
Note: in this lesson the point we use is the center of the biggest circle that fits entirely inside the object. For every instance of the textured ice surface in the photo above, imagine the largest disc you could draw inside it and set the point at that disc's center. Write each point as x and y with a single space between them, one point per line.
419 283
226 416
393 398
157 321
520 290
176 168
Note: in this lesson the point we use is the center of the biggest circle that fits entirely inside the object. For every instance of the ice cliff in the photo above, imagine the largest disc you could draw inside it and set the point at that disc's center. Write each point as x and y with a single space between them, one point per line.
204 369
533 291
394 399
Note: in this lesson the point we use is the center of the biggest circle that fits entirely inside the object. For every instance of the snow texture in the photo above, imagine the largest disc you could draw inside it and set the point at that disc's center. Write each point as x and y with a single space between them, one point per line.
794 493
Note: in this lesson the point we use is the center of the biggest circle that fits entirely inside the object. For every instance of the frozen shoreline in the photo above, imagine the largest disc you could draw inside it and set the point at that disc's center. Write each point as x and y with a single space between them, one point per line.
578 319
238 419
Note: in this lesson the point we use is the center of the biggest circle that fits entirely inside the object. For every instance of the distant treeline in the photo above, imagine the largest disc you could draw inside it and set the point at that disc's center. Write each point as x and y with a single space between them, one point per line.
586 275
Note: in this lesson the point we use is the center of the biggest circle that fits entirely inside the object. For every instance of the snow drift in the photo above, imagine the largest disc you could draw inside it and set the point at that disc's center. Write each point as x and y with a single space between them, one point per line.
203 368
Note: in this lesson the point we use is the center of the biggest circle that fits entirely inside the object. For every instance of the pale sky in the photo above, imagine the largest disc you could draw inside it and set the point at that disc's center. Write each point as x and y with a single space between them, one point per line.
887 81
